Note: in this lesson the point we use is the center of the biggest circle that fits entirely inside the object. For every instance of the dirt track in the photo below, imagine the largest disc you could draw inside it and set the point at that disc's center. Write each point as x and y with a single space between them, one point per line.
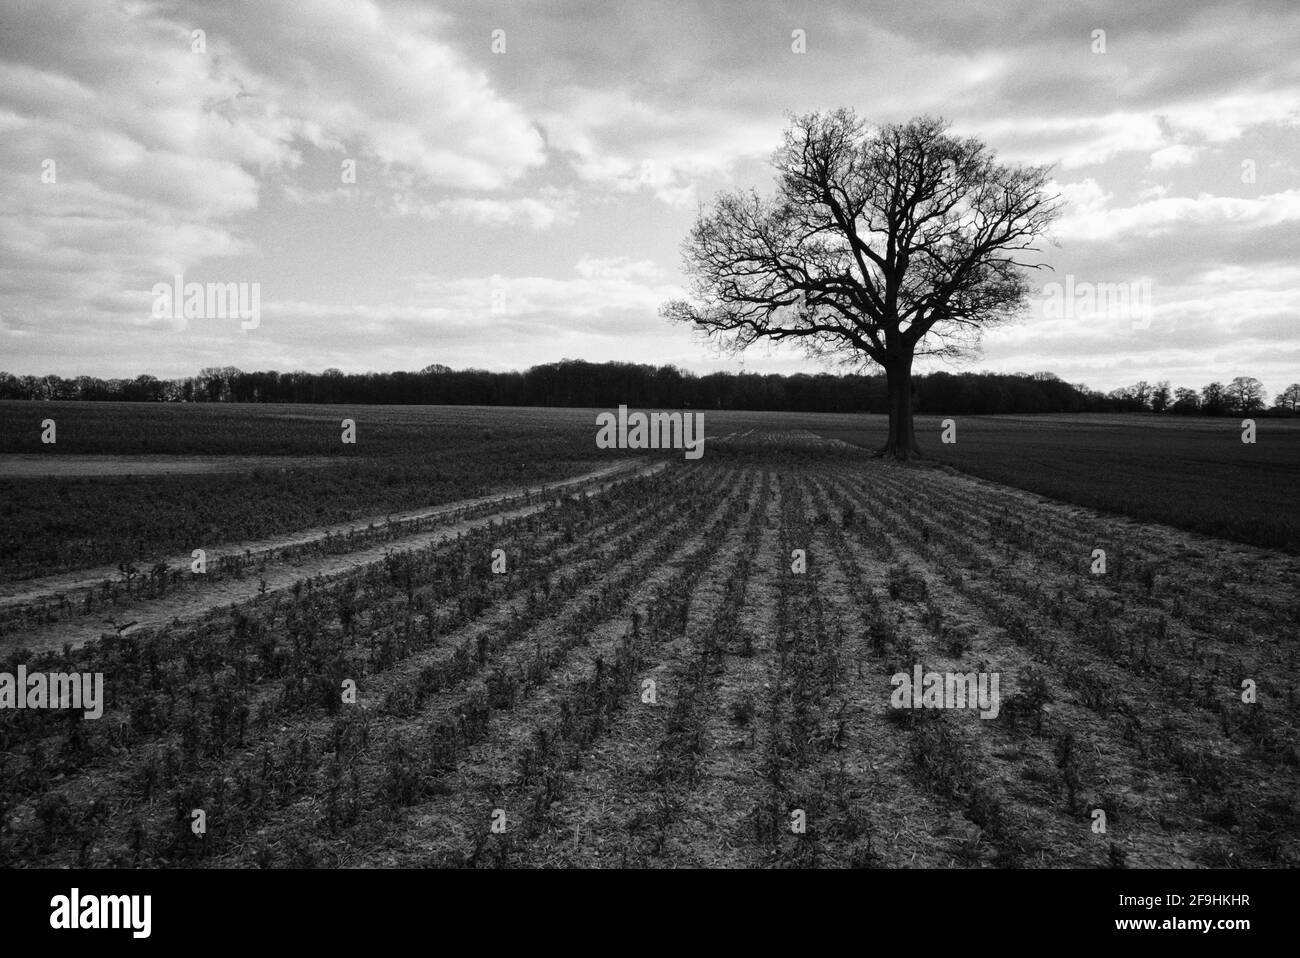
275 575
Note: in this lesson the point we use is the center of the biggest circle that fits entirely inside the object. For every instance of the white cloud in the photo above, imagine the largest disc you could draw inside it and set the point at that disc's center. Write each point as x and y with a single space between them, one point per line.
1221 119
1083 196
1078 140
626 144
1157 216
580 297
617 267
1174 156
158 150
551 207
1072 141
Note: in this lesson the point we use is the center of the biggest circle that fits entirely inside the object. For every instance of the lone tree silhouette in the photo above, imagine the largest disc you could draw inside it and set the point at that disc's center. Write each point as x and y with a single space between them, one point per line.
881 244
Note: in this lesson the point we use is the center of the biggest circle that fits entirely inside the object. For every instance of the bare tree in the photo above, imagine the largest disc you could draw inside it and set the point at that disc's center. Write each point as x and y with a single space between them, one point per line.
1288 398
1213 399
1160 396
1186 400
1131 398
1245 394
880 244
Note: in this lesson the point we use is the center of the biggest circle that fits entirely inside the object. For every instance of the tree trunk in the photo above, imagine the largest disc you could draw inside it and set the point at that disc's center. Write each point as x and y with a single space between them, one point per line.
902 434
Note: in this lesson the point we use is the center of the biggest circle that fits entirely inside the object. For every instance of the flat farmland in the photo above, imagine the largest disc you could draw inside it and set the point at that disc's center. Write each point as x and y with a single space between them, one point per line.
1191 472
134 483
681 663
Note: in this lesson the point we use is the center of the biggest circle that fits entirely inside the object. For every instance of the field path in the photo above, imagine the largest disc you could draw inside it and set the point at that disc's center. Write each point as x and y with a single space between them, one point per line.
276 575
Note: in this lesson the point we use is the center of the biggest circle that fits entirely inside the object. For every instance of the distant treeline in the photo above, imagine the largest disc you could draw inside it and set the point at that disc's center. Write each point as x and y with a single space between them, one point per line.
578 383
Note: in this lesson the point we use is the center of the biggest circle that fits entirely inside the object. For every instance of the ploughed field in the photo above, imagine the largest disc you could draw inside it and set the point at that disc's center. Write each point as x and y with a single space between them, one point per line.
137 482
690 665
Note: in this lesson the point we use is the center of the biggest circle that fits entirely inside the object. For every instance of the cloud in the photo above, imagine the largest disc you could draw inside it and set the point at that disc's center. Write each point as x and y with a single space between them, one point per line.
551 207
1071 141
591 146
1161 216
159 151
1084 196
624 143
1174 156
617 267
384 85
605 294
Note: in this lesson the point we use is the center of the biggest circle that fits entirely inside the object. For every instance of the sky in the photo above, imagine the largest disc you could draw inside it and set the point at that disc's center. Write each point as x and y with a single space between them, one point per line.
500 184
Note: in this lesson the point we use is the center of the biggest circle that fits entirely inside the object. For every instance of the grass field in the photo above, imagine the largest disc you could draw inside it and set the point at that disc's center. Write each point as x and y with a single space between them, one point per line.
656 679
